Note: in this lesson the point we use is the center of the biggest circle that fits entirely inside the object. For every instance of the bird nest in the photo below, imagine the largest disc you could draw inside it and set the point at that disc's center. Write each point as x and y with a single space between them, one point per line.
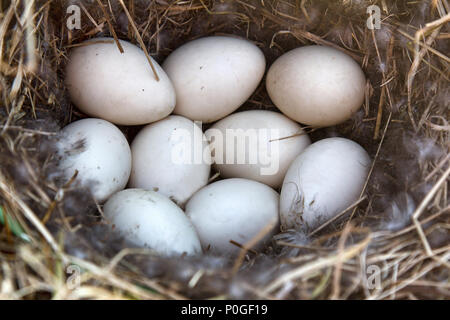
393 243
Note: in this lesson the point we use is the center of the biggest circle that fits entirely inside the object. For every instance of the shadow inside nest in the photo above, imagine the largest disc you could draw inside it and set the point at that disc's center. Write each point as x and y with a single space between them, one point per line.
409 143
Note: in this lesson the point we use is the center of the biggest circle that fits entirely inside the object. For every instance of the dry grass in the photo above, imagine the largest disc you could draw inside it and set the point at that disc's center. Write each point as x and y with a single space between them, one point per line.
399 230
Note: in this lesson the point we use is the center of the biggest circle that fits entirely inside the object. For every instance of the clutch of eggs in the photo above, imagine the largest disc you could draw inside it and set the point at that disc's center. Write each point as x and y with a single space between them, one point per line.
206 80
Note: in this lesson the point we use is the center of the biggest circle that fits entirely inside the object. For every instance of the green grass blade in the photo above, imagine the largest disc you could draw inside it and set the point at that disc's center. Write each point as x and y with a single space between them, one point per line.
13 225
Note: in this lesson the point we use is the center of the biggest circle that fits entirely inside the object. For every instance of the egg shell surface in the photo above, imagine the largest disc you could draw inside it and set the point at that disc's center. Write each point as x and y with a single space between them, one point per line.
261 144
316 85
171 156
149 219
100 153
118 87
233 209
213 76
326 178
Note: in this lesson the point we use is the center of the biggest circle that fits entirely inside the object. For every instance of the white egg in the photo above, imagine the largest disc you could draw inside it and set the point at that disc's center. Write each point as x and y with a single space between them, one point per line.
258 145
100 153
316 85
233 209
149 219
213 76
326 178
118 87
171 156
